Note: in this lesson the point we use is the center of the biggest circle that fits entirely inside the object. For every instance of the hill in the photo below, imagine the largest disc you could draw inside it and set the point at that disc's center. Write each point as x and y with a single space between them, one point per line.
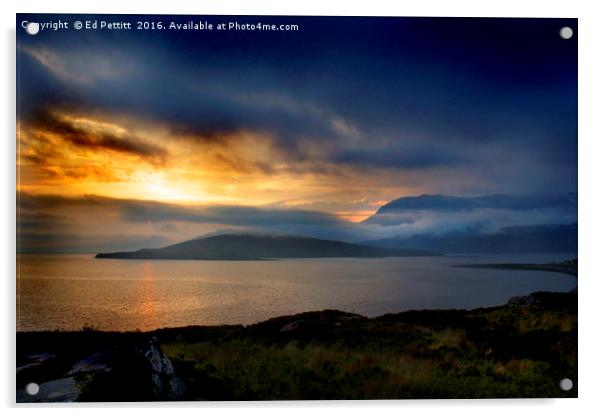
256 247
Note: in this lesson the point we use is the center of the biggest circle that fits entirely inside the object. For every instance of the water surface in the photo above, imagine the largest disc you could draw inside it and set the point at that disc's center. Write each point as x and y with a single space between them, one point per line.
71 291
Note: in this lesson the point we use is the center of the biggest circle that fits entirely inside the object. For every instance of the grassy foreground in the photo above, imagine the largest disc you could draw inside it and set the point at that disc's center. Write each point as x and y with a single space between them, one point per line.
522 349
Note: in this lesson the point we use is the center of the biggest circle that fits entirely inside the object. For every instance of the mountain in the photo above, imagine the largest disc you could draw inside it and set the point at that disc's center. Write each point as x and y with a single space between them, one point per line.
252 247
445 204
509 240
459 203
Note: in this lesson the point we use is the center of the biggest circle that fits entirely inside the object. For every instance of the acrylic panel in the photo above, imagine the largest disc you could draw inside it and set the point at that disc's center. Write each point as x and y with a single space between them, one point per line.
295 208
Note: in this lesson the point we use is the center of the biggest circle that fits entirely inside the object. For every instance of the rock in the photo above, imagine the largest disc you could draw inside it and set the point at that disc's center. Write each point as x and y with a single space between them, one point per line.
93 363
165 382
522 300
291 326
157 358
35 360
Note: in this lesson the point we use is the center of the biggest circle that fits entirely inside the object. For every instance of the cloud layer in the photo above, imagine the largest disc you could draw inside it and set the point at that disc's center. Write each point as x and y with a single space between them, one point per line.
91 223
436 115
178 134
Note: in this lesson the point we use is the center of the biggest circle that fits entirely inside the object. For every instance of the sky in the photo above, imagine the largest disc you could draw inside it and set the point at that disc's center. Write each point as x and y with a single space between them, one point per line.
135 138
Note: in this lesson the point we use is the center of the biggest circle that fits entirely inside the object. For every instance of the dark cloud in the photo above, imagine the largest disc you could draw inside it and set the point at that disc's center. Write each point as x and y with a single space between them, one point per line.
98 223
143 211
239 164
93 139
45 219
404 159
61 242
28 202
33 221
443 214
418 94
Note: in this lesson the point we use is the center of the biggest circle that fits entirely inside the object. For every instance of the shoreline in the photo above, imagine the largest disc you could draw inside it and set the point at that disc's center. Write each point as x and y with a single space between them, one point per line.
569 267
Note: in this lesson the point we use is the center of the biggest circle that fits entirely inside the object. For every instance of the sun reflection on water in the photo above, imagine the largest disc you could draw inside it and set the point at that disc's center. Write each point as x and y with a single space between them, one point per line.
147 311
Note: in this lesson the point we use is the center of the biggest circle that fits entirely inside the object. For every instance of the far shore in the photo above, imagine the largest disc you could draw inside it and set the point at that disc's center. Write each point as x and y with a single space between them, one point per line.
566 267
569 267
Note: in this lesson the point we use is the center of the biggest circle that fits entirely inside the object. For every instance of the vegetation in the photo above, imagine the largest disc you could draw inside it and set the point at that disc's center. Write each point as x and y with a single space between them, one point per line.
512 351
522 349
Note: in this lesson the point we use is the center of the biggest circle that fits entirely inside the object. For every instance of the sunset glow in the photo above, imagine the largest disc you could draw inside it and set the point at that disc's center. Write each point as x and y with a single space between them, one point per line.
165 138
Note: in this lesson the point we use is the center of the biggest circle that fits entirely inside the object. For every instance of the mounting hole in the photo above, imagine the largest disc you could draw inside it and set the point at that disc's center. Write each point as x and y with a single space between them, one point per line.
32 389
566 32
566 384
32 28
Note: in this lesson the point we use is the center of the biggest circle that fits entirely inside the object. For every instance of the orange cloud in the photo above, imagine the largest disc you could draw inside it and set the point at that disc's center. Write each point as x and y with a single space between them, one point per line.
74 154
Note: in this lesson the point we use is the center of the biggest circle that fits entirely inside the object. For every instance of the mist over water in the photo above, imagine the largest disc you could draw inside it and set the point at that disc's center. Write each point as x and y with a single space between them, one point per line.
69 292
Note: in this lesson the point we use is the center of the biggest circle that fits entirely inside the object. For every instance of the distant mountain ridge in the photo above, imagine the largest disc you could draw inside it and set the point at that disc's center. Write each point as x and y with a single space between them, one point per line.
255 247
551 238
448 204
500 201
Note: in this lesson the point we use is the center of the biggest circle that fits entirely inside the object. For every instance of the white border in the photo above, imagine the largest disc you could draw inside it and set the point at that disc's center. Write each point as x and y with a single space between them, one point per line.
590 207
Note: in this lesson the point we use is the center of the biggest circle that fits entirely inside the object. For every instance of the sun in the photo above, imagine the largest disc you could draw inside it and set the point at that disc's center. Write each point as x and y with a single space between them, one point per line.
159 188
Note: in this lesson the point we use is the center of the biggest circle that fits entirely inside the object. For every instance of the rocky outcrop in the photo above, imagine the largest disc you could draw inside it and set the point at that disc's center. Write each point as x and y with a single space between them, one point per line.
164 380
